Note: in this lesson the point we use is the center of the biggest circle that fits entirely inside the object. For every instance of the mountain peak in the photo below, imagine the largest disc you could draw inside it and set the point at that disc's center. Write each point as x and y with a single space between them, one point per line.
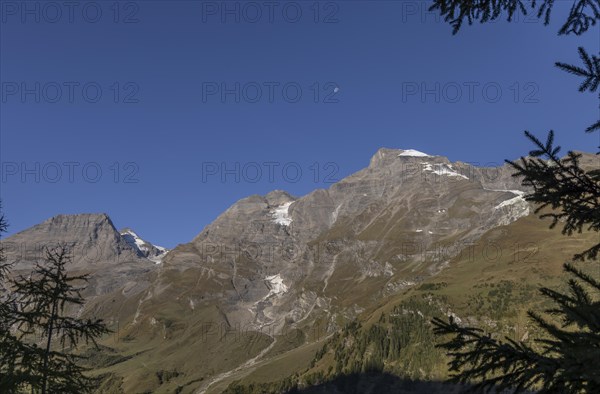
143 248
81 220
279 197
92 238
94 217
413 153
387 155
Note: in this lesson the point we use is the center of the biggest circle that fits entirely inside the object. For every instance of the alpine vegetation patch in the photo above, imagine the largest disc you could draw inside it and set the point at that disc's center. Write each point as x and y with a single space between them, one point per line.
212 331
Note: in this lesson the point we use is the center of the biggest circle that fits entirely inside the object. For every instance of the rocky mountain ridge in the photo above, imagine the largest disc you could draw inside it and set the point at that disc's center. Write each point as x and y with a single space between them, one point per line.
144 248
277 264
96 248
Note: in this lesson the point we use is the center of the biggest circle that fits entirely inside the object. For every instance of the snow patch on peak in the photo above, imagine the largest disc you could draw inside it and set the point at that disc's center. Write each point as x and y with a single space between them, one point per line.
152 252
413 153
374 269
511 201
276 285
443 169
281 215
508 202
517 192
157 259
454 316
334 214
513 208
133 239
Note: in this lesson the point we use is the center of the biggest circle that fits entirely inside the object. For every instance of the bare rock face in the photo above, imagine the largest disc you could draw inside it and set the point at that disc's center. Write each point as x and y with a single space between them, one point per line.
92 238
281 261
96 248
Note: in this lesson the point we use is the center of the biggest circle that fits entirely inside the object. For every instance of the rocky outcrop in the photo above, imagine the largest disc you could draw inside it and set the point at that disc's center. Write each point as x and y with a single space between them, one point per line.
96 248
142 247
397 221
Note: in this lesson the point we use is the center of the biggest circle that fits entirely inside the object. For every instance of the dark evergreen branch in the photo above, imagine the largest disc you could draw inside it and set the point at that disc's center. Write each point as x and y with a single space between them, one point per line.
567 362
41 302
591 75
583 14
561 185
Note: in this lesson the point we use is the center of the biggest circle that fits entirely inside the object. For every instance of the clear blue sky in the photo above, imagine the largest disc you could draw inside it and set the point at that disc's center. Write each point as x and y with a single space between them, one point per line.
176 130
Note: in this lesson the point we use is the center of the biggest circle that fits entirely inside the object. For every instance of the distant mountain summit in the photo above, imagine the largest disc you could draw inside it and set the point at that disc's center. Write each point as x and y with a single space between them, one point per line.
112 259
92 237
144 248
